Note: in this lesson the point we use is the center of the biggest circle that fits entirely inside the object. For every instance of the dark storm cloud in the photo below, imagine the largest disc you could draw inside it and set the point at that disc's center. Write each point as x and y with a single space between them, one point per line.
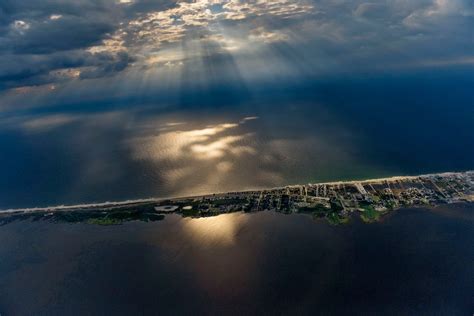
107 64
65 33
40 69
39 37
144 6
18 68
34 9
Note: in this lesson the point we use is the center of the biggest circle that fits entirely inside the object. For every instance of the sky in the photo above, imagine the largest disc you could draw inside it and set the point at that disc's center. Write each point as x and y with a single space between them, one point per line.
57 51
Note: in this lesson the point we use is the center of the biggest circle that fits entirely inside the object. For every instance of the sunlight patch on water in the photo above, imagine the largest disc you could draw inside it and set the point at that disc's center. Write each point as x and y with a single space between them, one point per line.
219 230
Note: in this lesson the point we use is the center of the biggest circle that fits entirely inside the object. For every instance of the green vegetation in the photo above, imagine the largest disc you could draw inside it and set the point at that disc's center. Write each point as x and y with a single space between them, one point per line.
375 198
390 205
118 217
98 217
335 218
318 210
369 214
333 215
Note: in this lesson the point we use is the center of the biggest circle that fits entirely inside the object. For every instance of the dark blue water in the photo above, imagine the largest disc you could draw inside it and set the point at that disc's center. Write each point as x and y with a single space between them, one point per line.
197 141
416 261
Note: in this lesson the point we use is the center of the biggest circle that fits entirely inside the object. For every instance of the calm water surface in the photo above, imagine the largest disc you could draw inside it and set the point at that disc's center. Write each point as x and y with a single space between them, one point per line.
237 139
415 261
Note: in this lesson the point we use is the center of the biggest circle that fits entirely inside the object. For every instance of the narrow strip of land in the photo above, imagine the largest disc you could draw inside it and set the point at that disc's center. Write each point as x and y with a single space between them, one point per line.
345 196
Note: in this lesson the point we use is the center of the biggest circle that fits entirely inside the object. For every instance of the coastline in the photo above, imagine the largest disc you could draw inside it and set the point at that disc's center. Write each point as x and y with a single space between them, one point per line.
132 202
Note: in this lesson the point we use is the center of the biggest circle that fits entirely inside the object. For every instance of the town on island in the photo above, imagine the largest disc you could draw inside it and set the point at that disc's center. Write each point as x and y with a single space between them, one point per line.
335 201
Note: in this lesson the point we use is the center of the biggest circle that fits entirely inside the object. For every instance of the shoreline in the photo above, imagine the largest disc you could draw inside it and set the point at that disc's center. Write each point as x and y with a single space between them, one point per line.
106 204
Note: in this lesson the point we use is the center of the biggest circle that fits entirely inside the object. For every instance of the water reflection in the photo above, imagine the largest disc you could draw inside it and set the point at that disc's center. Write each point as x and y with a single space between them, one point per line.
208 153
205 143
219 230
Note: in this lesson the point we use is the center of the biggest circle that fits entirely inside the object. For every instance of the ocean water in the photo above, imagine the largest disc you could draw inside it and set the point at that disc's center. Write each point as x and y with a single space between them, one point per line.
415 261
234 138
